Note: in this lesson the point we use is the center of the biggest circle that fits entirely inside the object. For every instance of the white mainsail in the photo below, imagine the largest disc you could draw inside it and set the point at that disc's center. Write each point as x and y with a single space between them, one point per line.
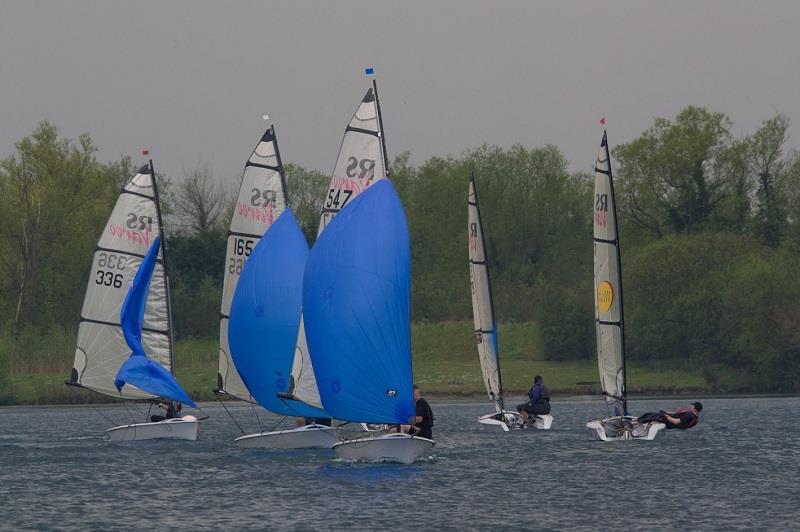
608 284
482 305
361 162
261 200
133 225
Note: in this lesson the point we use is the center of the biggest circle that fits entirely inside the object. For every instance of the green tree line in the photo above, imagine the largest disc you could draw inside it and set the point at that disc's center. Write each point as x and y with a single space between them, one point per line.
709 228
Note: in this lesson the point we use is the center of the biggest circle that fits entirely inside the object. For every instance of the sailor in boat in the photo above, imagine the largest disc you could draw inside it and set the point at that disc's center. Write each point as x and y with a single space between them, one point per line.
172 410
538 400
422 421
683 418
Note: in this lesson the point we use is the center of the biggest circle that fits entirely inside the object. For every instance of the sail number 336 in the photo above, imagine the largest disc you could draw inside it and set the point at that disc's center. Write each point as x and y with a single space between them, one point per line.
106 262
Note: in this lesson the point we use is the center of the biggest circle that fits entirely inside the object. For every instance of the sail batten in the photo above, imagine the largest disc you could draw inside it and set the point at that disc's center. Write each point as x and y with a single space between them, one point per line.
261 200
482 303
360 163
609 321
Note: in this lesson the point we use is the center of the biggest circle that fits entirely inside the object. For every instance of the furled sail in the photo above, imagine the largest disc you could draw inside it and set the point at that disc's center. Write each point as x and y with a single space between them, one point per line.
265 316
139 370
261 200
608 285
126 238
361 162
482 304
356 299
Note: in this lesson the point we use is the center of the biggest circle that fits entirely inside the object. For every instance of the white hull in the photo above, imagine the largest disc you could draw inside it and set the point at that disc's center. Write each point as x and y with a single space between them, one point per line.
620 428
184 428
307 437
513 420
400 448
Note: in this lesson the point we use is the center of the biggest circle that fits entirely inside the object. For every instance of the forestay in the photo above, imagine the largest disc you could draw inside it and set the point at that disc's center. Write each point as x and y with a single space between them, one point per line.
482 304
356 298
265 316
360 163
126 238
608 284
261 200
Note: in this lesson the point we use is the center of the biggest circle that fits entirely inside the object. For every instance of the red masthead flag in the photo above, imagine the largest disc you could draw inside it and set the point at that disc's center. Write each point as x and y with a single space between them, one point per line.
603 121
145 152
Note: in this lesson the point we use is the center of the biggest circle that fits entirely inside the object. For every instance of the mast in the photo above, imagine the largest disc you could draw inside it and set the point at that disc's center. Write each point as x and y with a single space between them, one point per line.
619 267
166 275
362 146
280 167
499 398
380 123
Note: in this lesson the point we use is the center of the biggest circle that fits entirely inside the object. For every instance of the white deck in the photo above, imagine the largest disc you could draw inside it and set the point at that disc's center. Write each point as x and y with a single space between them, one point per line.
400 448
184 428
619 428
307 437
508 420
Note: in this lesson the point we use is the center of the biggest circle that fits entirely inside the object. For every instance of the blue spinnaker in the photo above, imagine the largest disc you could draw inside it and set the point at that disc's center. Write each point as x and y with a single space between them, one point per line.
265 316
356 298
139 370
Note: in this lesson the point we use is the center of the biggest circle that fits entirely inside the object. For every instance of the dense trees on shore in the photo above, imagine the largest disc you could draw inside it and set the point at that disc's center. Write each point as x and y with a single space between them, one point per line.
709 227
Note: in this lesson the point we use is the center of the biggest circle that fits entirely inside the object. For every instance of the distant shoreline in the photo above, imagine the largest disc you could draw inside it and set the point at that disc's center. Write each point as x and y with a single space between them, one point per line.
458 398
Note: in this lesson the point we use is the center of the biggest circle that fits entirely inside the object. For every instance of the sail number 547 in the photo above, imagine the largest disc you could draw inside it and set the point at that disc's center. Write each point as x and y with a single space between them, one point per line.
337 199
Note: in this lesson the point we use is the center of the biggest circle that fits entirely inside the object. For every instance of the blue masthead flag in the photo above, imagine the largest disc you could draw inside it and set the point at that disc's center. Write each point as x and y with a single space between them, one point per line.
369 71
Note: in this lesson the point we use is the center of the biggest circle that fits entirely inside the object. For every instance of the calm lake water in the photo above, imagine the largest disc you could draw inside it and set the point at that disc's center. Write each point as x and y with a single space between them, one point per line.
737 470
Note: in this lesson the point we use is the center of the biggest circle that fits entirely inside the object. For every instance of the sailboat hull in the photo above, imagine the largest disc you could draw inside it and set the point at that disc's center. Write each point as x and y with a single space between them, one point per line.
184 428
308 437
513 420
400 448
623 428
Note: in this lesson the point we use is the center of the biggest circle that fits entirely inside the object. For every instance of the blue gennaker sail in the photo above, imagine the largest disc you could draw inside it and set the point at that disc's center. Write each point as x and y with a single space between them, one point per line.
356 303
265 316
139 370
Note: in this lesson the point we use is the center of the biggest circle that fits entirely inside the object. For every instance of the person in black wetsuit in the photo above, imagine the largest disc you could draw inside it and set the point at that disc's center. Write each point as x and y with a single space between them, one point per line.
538 400
683 418
422 420
172 410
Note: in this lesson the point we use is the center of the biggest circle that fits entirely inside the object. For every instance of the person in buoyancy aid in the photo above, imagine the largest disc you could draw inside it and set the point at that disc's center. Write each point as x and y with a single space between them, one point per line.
683 418
172 410
539 400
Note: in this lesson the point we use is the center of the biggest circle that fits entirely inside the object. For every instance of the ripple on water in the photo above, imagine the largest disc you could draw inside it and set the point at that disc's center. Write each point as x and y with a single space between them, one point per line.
476 477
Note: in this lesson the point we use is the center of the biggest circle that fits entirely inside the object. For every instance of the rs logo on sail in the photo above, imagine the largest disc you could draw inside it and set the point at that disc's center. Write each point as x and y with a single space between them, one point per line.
365 168
139 222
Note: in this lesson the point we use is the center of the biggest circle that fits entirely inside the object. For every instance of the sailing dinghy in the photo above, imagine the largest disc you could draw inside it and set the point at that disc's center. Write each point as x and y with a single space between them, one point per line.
125 333
486 326
356 299
362 161
609 317
261 199
262 329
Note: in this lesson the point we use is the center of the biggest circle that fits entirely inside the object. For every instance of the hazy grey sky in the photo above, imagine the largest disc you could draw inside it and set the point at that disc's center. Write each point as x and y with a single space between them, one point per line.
190 80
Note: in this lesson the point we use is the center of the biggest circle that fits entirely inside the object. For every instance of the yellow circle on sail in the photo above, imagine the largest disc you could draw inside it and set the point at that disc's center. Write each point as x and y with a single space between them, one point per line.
605 296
